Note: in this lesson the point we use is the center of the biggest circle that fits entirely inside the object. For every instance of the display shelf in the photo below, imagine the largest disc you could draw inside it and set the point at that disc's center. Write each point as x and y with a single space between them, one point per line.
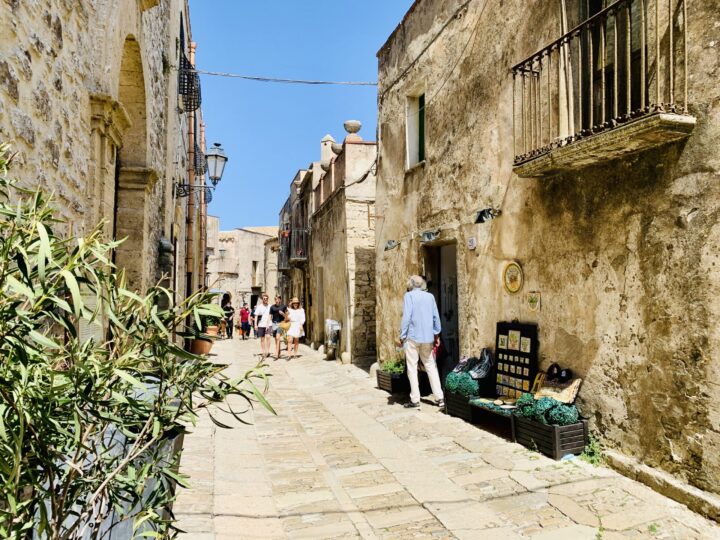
553 441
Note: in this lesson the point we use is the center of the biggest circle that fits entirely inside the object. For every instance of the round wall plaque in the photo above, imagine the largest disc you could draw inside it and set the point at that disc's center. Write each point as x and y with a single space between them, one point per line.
512 277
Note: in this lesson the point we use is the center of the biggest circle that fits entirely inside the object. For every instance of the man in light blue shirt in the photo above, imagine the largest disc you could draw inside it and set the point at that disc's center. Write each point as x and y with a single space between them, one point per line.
420 331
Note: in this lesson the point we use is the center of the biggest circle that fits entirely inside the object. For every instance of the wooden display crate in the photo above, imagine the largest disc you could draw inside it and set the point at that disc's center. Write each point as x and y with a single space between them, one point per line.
493 422
398 383
458 406
393 383
553 441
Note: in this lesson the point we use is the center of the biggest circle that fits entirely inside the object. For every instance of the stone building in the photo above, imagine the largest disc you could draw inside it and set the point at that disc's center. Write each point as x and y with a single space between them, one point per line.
600 150
342 247
236 261
327 256
270 266
98 101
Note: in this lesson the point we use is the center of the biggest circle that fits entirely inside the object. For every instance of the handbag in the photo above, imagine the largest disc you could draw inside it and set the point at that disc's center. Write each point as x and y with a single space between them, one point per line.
284 326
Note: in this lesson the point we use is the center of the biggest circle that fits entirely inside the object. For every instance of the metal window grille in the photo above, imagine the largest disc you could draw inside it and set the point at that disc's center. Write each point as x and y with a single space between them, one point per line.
189 85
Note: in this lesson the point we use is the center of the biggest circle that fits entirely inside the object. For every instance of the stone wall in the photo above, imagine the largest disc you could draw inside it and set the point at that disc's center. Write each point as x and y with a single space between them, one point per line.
89 93
237 265
625 254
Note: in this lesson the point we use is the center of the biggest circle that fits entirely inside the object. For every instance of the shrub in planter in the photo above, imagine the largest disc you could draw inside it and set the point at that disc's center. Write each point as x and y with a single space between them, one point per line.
87 423
391 376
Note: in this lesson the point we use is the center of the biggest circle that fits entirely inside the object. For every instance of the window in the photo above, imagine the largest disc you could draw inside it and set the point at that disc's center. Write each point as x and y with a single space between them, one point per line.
415 123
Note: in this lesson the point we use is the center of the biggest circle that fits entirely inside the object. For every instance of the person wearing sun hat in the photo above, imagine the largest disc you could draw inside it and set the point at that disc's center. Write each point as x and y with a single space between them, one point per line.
296 317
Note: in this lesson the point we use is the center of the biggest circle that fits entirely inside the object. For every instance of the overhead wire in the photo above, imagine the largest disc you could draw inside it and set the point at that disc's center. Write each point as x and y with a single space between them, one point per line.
282 81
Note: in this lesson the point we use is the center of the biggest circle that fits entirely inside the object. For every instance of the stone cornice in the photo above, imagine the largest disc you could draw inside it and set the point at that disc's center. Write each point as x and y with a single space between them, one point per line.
140 178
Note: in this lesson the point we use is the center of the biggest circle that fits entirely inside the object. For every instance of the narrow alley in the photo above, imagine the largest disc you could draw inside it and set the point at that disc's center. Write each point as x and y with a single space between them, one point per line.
342 460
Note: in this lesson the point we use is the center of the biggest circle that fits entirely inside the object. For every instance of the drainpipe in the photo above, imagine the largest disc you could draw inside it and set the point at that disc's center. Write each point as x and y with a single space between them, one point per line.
203 220
190 208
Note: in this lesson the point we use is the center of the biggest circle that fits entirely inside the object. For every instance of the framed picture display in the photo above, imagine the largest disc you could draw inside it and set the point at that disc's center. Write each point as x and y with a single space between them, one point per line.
518 357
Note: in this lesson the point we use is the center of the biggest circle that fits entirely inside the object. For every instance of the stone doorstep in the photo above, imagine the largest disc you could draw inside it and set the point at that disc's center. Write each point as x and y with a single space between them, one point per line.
702 502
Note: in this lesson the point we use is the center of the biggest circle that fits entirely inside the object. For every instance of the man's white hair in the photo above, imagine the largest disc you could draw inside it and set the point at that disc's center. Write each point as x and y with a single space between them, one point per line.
416 282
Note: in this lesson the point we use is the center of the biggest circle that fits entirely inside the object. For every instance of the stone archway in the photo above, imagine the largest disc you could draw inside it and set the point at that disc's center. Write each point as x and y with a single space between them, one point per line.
134 178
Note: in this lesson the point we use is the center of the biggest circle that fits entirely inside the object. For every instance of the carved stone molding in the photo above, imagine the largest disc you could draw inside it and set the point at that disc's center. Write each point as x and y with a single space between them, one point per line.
109 117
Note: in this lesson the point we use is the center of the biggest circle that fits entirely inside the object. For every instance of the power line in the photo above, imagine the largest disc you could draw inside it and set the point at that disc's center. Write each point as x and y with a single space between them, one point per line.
282 81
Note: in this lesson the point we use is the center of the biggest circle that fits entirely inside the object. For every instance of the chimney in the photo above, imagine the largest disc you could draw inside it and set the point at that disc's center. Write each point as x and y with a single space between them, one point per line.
326 152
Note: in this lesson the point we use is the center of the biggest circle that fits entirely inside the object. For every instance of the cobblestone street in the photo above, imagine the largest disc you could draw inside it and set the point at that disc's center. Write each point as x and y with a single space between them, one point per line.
341 460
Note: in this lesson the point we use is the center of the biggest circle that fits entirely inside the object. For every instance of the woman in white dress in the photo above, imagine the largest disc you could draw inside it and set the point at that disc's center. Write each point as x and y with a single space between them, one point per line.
296 317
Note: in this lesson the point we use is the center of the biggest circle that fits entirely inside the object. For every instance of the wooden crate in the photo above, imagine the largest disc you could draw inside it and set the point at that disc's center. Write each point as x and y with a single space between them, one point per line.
393 383
493 422
458 406
553 441
398 383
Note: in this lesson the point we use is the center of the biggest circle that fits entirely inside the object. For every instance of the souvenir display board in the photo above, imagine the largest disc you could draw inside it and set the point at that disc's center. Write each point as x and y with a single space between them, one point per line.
516 356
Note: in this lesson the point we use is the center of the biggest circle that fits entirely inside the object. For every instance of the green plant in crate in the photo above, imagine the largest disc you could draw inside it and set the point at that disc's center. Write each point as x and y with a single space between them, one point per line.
396 366
87 424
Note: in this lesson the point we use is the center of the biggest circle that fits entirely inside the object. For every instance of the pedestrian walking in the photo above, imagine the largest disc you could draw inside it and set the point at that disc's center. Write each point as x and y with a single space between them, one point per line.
263 324
419 333
296 317
278 313
244 322
229 311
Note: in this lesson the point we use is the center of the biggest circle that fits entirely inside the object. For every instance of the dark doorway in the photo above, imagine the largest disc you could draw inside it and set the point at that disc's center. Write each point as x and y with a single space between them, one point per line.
441 275
254 300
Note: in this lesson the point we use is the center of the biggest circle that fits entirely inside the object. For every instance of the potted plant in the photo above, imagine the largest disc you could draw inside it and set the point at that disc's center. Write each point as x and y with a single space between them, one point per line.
391 376
202 341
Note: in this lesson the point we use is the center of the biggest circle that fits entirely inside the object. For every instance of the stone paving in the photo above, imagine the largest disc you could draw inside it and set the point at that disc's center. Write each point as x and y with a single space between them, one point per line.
342 460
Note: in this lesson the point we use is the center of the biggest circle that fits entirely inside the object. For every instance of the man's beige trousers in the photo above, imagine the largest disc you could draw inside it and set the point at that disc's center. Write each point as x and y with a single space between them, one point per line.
422 351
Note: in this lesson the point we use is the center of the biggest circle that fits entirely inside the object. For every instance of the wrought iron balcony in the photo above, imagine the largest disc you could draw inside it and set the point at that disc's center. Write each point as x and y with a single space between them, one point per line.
299 245
189 85
621 72
284 252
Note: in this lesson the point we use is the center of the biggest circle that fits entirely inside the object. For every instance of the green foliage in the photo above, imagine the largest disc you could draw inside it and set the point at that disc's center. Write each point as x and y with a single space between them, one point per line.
395 366
462 383
87 424
546 410
593 452
563 415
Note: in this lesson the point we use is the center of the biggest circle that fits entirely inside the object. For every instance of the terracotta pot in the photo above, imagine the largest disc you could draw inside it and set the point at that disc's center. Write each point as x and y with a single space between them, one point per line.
212 330
200 346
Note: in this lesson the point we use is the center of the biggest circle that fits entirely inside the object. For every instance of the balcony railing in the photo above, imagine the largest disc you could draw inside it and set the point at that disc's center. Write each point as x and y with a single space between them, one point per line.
299 245
284 252
624 63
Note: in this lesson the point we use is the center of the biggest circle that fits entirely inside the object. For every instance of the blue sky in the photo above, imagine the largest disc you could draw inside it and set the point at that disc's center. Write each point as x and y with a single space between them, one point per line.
271 130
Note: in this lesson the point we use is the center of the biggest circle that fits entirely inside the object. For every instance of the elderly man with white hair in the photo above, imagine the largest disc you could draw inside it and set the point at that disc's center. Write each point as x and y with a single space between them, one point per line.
420 331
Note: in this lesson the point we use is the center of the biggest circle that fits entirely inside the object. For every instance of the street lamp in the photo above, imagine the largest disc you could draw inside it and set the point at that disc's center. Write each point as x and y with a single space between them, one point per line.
216 160
214 165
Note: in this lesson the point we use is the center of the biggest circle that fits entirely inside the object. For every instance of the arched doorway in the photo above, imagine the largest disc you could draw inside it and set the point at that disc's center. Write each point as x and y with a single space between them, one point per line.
134 178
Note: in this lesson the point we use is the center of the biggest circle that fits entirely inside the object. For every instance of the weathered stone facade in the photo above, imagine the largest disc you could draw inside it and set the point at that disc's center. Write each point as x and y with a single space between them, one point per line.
624 252
89 93
342 254
236 261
